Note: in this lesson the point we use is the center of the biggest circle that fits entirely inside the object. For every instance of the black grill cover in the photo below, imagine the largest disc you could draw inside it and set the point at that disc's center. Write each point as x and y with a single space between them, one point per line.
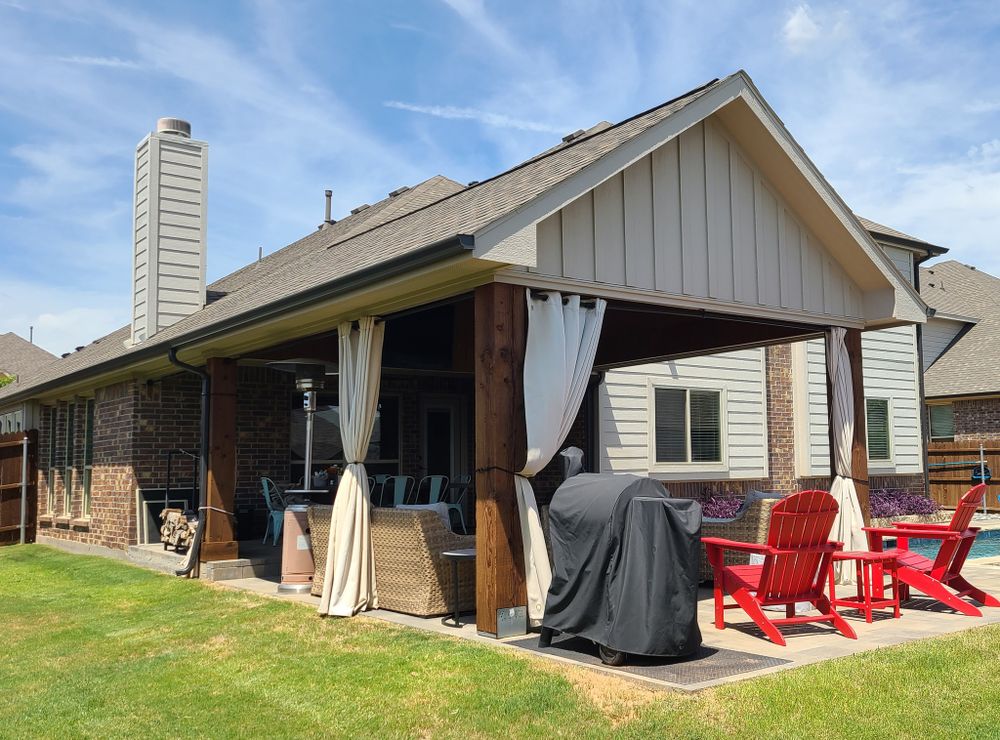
625 565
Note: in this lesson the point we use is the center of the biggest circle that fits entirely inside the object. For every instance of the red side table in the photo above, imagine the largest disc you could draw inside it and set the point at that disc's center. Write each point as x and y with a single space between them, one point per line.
871 567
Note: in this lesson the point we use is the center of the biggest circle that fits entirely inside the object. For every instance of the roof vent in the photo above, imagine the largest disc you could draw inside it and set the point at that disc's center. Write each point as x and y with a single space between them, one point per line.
174 126
399 191
575 135
78 348
359 209
64 355
473 182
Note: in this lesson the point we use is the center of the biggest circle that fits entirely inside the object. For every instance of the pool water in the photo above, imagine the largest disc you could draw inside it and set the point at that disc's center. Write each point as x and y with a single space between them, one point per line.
987 545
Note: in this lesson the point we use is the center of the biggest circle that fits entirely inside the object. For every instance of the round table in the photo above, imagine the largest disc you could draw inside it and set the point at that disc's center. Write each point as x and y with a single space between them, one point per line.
455 557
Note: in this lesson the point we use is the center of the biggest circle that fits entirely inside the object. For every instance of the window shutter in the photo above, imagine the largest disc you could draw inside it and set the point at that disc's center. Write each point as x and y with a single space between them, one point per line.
877 417
670 425
706 427
942 421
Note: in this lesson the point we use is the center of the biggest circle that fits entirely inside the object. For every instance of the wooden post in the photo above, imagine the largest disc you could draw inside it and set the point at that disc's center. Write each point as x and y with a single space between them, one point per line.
859 448
501 448
859 445
220 542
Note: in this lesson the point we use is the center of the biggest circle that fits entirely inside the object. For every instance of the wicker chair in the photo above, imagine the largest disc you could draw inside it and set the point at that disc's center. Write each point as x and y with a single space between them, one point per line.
749 525
410 574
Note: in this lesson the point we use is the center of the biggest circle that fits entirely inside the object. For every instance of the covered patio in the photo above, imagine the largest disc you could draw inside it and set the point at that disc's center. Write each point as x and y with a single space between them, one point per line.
695 228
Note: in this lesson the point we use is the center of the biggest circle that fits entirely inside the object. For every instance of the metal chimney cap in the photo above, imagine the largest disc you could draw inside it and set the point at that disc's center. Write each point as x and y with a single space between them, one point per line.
174 126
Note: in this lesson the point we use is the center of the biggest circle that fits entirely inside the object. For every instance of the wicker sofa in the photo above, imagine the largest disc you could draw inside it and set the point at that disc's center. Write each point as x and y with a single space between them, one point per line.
410 574
748 525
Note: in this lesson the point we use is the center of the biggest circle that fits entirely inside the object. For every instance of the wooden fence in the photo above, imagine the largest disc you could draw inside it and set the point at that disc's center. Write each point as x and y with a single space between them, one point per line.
950 466
12 468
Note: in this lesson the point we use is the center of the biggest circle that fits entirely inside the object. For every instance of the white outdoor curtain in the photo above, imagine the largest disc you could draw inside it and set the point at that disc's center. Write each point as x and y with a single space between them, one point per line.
848 523
559 357
349 586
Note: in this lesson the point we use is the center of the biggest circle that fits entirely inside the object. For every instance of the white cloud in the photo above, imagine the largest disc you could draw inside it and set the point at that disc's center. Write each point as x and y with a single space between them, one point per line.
100 62
472 114
800 29
61 320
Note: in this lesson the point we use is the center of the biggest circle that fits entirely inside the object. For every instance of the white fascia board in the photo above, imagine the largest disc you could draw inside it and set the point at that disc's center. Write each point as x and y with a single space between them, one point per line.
605 167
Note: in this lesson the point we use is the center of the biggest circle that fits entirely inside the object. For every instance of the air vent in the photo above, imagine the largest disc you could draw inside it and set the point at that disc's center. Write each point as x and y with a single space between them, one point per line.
473 182
399 191
575 135
359 209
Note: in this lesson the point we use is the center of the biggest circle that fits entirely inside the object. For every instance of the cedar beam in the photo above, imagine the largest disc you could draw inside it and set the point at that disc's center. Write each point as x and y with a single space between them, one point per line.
220 542
501 447
859 448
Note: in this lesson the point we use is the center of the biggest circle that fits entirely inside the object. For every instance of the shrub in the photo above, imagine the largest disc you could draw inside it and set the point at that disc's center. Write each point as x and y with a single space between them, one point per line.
6 379
890 502
720 506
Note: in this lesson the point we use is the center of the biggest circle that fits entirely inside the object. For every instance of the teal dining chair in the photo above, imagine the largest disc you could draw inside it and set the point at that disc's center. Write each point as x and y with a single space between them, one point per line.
275 510
399 488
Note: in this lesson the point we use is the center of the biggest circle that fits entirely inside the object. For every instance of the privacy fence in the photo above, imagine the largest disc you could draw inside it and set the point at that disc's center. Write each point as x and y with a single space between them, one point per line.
18 487
951 466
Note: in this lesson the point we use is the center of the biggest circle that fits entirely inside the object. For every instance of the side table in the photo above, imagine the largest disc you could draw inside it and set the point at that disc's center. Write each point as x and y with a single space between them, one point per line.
456 556
871 567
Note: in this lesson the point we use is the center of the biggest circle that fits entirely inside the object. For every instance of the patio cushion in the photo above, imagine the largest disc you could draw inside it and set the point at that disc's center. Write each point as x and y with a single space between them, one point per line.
410 574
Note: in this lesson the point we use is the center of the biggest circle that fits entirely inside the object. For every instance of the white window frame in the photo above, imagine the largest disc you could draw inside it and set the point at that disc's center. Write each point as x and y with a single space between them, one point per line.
694 470
890 462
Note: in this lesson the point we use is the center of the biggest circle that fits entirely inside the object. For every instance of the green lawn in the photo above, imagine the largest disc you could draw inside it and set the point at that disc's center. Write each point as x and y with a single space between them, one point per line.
92 647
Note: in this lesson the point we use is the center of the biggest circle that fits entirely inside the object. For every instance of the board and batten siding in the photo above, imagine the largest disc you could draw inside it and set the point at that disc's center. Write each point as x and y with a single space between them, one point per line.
891 371
626 415
938 334
695 218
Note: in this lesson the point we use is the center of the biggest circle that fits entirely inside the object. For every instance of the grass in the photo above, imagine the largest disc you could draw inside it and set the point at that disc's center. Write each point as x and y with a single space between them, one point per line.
95 648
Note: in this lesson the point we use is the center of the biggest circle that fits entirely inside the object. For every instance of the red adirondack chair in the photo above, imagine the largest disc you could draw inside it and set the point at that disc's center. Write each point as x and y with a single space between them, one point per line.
797 562
936 577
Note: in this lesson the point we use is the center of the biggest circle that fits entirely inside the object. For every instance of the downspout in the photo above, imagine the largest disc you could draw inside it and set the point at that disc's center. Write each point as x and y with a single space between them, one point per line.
206 387
925 432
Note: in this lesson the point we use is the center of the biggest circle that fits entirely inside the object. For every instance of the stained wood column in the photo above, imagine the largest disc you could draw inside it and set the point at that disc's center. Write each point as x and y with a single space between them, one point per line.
859 445
220 541
501 447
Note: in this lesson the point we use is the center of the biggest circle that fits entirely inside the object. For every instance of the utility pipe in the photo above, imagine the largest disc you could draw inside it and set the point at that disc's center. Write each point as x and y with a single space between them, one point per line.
24 486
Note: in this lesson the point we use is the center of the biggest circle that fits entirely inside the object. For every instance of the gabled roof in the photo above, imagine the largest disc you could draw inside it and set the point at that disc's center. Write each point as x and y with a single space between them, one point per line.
21 358
433 221
969 366
894 236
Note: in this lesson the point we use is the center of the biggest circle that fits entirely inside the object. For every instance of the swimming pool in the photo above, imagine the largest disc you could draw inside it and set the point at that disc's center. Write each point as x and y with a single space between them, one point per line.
987 545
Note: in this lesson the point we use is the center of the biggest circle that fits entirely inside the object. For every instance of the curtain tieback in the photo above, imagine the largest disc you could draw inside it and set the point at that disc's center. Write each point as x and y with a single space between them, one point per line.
862 481
355 462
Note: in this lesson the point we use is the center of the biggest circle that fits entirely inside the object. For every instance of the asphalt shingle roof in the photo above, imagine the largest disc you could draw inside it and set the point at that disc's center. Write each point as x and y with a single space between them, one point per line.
21 358
970 365
421 216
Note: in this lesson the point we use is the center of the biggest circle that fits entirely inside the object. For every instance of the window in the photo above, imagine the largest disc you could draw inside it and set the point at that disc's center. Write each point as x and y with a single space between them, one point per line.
383 450
68 461
88 455
879 436
687 425
941 420
52 460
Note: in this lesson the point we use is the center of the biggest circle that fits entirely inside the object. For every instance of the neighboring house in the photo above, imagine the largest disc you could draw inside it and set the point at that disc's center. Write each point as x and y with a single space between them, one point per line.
961 357
19 360
701 222
757 418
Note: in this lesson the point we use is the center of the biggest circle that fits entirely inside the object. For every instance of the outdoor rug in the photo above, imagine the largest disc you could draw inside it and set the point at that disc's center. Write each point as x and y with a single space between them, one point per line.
708 664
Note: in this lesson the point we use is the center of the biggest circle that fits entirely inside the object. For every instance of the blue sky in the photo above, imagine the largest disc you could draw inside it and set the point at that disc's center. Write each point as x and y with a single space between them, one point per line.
898 103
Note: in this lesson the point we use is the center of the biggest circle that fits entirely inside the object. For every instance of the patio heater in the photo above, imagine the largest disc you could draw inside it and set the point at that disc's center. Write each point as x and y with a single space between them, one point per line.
310 377
297 565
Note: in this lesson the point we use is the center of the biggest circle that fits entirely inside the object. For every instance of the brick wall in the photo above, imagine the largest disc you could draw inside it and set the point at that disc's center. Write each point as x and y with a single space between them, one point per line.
977 420
263 412
112 516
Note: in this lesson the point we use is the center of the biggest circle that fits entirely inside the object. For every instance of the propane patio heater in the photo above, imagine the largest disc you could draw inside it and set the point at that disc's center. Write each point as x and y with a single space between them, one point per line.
297 565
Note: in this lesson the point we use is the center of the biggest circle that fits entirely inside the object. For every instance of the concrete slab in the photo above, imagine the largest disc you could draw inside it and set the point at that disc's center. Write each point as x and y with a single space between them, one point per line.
921 618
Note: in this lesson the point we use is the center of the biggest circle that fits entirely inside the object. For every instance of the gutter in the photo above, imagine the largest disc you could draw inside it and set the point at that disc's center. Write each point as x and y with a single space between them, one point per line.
454 246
